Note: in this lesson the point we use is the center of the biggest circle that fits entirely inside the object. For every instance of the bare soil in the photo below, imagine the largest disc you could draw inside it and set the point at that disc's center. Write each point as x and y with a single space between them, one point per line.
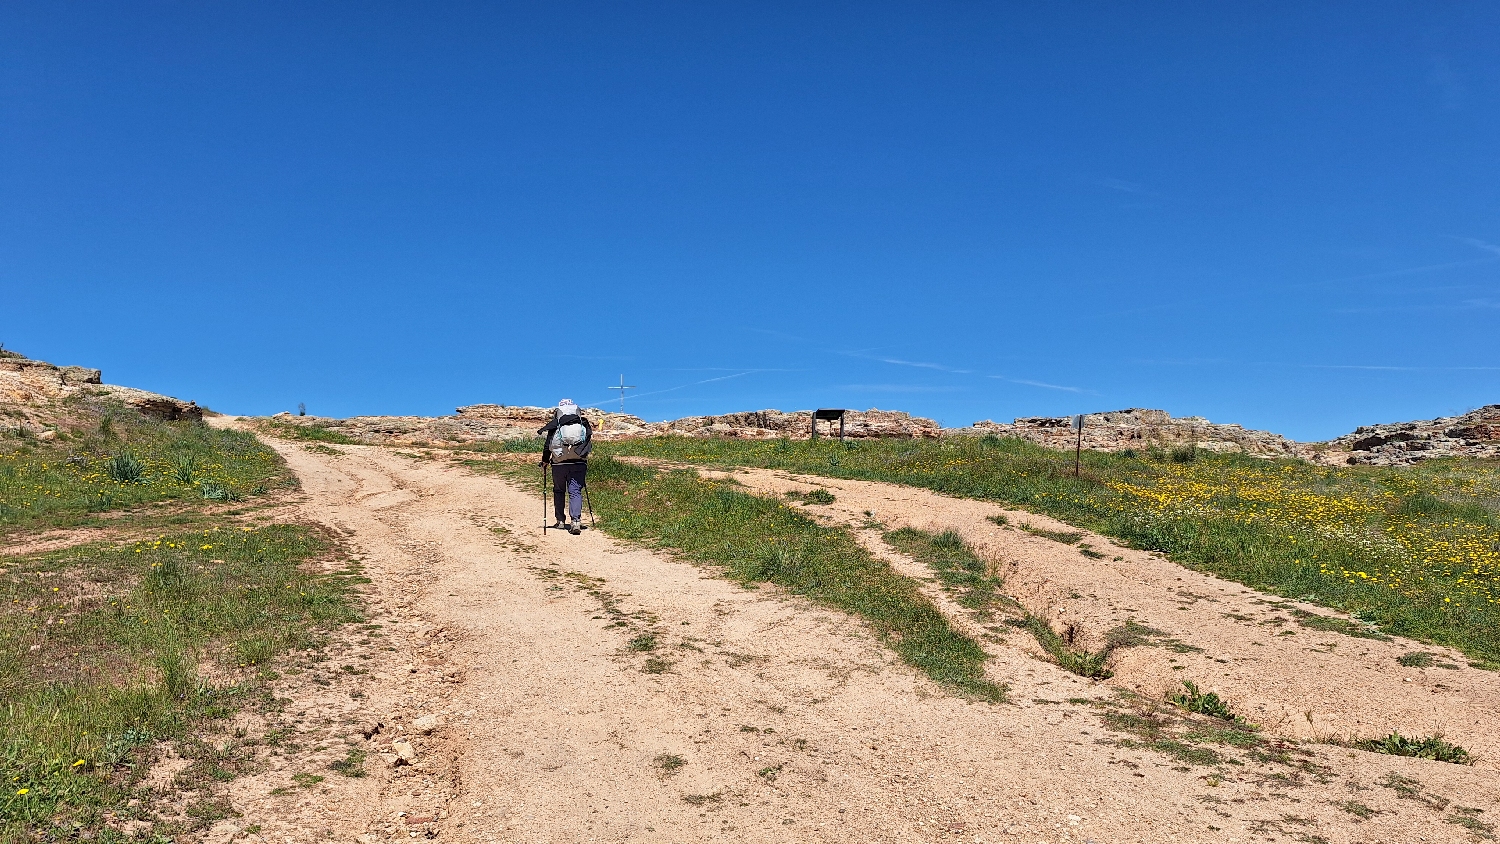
755 716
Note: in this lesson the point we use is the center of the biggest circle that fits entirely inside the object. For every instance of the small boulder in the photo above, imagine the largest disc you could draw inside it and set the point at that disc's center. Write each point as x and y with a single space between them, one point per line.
425 724
405 753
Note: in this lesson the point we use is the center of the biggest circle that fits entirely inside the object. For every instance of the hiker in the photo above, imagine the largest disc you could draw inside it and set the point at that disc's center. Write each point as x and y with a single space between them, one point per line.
570 438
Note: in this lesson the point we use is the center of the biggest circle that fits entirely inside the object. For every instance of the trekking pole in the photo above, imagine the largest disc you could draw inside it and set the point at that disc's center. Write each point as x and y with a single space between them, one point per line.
544 499
590 503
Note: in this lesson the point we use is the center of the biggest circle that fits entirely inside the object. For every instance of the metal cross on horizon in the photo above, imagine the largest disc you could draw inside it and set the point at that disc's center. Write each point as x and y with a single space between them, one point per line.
622 388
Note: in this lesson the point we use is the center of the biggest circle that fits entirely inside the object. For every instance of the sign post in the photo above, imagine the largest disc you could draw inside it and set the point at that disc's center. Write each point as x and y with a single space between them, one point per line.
1078 449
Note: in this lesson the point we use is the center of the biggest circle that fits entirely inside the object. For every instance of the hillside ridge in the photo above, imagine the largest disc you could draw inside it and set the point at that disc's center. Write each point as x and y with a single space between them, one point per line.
34 394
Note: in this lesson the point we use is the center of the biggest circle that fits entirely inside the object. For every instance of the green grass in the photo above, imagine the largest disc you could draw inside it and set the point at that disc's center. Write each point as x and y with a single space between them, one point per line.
114 459
1085 663
306 433
958 569
1428 747
1192 699
1411 551
99 653
817 496
757 540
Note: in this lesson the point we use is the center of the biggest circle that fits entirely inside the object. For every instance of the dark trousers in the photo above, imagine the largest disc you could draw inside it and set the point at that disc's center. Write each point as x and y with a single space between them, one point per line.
567 487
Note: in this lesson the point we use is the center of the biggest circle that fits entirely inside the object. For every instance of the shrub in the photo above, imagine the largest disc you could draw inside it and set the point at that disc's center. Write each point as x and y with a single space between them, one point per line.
1431 747
124 467
1192 699
184 467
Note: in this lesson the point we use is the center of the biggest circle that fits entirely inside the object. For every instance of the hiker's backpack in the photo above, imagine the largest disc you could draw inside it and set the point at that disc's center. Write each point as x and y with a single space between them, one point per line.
570 441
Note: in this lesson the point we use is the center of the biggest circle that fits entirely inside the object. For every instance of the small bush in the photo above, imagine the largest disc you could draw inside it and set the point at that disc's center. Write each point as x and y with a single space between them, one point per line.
1416 659
124 467
1185 454
1192 699
214 491
1431 747
817 496
184 467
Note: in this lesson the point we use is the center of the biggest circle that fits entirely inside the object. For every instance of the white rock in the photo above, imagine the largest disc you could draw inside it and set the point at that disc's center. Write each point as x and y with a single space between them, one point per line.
425 724
405 753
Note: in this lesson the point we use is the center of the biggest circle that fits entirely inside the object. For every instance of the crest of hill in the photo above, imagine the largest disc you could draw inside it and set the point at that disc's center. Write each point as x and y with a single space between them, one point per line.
38 396
481 422
1139 428
1474 434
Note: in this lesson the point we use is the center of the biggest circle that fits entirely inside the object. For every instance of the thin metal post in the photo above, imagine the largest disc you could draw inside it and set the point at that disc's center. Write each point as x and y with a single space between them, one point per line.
1078 452
544 499
622 388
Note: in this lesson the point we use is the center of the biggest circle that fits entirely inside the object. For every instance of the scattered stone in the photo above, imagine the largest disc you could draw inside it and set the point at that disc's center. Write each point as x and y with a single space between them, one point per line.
405 753
425 724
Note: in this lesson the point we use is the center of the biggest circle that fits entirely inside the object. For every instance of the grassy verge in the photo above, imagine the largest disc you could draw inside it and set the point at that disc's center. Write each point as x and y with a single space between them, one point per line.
114 459
1411 551
959 571
101 651
760 540
304 433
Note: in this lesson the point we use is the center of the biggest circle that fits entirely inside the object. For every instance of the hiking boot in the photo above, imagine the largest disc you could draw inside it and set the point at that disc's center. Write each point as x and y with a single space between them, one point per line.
560 525
575 528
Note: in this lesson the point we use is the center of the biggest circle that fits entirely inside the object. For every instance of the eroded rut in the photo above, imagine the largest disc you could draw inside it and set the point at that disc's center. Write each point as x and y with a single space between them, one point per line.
581 689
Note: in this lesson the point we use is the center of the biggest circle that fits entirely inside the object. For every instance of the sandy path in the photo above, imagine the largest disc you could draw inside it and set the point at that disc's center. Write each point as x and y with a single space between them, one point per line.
1299 682
793 724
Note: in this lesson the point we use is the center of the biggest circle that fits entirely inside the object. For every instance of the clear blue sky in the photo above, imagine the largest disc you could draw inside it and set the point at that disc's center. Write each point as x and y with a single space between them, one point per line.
1280 214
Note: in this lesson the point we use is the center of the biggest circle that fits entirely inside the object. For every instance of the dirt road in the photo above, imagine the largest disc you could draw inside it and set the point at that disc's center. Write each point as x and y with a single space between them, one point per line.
579 689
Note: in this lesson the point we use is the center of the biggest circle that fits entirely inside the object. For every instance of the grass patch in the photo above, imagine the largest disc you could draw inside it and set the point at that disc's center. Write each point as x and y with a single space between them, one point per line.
816 496
1085 663
1192 699
1410 551
758 540
99 649
1469 819
1429 747
668 764
114 459
312 432
352 765
956 566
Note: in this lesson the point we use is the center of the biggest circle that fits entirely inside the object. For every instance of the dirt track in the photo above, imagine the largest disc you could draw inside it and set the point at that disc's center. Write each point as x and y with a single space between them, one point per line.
793 723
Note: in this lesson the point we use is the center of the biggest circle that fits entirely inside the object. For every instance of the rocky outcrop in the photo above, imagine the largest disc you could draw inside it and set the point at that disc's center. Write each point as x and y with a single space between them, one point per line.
797 425
34 392
1140 428
486 422
1474 434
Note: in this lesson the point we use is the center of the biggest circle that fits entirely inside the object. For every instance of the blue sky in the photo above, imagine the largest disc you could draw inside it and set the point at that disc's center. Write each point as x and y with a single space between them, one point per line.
1278 214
